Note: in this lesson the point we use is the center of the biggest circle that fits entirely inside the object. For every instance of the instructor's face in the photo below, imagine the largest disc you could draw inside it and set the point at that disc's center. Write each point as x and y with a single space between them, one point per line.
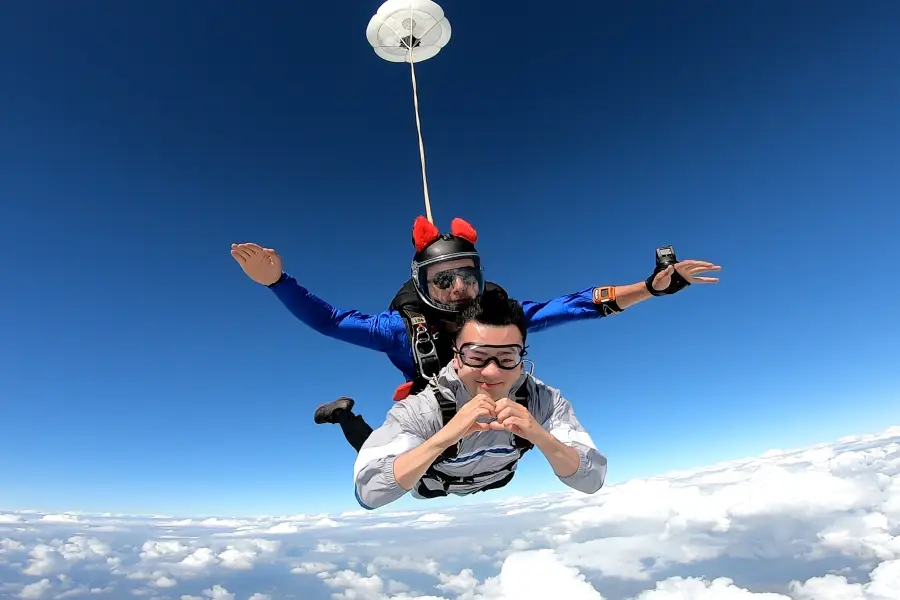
460 290
489 379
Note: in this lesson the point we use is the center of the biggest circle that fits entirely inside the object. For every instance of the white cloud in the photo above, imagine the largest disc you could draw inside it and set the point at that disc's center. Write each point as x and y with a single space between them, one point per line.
462 584
313 568
820 523
216 592
64 518
7 518
329 547
36 590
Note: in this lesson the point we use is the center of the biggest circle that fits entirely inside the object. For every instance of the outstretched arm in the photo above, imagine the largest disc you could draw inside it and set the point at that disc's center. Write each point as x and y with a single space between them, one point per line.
379 332
382 332
593 303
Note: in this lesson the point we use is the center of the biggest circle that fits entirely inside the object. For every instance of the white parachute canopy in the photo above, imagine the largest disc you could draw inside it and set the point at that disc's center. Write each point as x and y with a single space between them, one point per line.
401 24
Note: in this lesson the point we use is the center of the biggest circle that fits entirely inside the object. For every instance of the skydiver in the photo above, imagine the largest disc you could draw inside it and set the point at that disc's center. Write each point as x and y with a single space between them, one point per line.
436 442
446 276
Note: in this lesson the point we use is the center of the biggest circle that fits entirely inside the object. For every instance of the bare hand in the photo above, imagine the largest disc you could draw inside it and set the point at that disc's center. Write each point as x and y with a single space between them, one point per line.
465 422
262 265
689 269
515 418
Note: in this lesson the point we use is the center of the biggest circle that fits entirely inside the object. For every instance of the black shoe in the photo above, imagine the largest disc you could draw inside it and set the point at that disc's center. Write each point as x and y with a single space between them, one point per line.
328 413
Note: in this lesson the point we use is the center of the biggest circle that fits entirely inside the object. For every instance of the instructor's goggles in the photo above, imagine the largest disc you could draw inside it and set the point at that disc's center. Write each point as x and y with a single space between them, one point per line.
446 279
478 356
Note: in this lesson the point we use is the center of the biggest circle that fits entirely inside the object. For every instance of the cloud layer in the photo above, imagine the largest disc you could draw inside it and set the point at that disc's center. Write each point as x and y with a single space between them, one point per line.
822 523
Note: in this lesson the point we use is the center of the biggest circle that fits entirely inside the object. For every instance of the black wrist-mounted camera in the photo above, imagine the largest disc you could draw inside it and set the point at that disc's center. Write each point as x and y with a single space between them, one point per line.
665 257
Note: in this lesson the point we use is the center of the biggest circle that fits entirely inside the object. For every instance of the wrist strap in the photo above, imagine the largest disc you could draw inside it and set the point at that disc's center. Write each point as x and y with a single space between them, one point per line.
665 257
605 300
677 284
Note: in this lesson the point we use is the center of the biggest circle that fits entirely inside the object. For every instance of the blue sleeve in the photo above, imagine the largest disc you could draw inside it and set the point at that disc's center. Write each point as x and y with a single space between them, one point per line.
382 332
565 309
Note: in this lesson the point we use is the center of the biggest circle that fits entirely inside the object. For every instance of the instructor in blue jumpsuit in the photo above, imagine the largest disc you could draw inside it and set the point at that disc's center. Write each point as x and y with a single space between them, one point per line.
447 275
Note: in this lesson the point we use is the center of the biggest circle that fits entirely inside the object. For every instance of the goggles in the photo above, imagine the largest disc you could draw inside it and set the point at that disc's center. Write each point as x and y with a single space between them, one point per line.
444 280
477 356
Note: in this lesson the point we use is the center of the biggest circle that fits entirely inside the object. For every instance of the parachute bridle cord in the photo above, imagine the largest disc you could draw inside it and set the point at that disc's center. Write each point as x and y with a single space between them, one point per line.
410 42
425 31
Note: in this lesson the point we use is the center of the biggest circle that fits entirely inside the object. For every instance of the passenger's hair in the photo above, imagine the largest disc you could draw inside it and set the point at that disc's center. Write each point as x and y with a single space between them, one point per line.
494 307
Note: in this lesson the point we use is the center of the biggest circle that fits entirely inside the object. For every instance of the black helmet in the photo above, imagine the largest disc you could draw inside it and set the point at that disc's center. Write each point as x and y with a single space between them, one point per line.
433 248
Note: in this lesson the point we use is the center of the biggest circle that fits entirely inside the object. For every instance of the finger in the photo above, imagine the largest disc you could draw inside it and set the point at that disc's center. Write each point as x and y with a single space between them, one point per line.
502 404
705 280
497 426
484 416
469 431
505 414
663 278
515 424
519 410
242 252
488 404
246 250
701 269
236 255
695 263
482 397
482 412
254 250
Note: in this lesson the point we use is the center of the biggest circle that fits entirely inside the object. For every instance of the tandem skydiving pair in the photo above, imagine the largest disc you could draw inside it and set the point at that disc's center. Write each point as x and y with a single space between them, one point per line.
460 343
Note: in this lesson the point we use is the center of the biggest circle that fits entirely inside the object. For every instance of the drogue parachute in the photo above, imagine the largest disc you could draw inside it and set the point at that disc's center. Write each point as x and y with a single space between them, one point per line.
408 30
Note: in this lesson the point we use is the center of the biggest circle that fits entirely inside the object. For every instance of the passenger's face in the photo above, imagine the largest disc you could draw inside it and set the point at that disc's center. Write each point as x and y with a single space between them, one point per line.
459 291
489 379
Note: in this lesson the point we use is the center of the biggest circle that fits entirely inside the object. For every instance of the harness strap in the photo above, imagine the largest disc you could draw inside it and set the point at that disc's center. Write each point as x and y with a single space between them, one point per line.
448 411
419 331
423 347
522 398
426 361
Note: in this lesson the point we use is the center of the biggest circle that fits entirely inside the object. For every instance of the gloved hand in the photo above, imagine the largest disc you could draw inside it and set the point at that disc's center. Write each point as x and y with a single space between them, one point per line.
672 278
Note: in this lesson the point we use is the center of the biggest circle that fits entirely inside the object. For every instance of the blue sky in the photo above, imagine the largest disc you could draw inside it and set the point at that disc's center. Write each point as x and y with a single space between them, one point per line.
141 371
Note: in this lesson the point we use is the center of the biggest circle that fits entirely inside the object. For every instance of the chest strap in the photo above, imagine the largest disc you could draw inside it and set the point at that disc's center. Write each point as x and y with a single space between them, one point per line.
448 411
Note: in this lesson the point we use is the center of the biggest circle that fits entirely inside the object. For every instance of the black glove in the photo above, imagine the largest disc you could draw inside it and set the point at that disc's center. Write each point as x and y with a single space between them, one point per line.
665 257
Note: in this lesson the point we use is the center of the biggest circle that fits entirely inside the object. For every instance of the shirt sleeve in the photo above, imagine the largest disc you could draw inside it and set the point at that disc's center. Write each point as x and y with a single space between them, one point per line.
373 471
565 427
561 310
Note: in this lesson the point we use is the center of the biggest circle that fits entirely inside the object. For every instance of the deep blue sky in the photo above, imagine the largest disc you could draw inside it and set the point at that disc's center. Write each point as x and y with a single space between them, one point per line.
140 370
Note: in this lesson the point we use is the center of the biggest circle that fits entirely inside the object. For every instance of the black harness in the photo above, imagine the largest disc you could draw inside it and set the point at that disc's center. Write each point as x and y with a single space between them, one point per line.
431 351
448 411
